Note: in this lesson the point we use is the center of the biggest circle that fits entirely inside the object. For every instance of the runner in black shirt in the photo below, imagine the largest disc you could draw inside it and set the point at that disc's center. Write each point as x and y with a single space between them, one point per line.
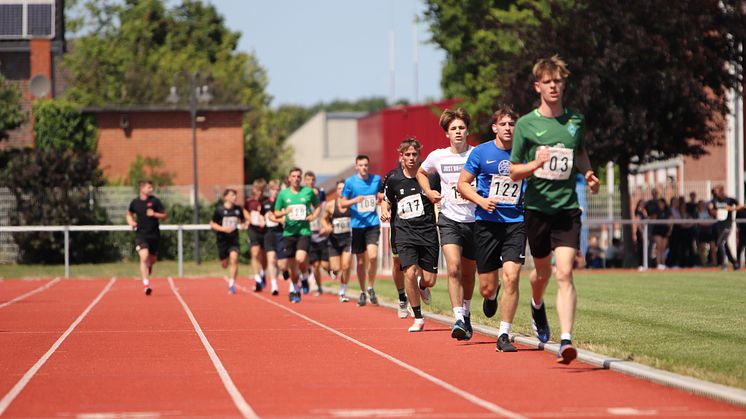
144 215
226 221
721 207
414 224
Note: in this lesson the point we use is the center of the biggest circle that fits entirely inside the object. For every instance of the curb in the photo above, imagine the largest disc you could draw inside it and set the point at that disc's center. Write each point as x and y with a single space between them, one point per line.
714 391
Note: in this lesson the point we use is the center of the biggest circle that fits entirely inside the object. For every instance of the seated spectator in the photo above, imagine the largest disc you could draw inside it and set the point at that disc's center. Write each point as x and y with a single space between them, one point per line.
615 254
594 255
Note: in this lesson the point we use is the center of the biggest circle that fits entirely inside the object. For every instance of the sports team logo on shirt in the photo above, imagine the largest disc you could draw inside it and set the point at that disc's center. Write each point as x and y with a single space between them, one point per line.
572 129
503 169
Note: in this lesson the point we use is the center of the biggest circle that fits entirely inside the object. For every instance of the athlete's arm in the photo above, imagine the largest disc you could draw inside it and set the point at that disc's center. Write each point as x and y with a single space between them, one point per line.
131 220
217 227
464 188
520 171
433 196
345 203
583 164
385 211
314 214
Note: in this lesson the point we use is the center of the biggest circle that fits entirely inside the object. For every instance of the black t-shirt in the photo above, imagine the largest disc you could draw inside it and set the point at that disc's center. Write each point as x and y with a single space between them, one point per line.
414 219
226 217
721 208
433 178
146 226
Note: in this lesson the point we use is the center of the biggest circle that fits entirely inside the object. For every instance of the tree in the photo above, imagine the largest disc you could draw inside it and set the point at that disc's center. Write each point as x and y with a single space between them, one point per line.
11 113
60 125
148 168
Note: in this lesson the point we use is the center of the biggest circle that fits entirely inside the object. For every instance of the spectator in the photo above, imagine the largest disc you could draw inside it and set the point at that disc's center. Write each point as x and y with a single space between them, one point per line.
594 254
721 207
705 236
687 251
661 233
640 214
615 254
674 242
741 225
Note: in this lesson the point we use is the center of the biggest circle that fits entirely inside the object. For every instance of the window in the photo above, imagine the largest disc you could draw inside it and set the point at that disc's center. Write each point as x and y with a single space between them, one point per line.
25 19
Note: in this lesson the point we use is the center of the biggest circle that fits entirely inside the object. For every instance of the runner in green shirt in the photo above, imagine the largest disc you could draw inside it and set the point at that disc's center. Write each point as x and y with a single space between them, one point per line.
550 140
299 205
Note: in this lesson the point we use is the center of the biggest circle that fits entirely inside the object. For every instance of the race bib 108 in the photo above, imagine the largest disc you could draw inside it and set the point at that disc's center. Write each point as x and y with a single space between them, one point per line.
368 204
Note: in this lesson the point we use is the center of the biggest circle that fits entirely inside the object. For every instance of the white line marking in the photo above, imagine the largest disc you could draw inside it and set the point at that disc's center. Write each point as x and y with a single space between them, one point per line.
30 293
437 381
21 384
238 399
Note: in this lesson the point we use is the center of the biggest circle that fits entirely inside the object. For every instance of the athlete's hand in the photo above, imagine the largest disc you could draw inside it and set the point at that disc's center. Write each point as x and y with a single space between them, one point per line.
488 204
542 156
434 196
309 217
228 230
150 212
385 216
359 199
133 225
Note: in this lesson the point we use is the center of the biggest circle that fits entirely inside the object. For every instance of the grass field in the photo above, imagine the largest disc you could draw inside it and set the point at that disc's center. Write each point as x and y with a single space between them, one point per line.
688 322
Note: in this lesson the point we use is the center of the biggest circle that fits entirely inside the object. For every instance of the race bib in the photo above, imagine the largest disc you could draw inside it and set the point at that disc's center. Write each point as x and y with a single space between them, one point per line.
297 212
256 218
453 196
341 225
315 225
722 214
559 166
230 222
269 223
410 207
505 190
368 204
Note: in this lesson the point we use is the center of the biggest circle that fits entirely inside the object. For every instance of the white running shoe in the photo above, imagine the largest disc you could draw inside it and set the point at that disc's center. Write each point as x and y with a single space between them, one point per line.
424 294
403 310
417 326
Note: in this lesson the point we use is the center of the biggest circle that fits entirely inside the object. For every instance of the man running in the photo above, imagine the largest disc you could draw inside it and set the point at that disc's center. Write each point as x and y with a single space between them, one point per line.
299 205
339 222
226 221
499 231
149 211
550 140
721 208
254 212
318 255
274 245
416 234
456 217
360 194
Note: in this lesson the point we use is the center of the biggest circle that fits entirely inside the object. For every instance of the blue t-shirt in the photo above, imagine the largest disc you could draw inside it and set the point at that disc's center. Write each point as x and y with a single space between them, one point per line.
491 166
364 213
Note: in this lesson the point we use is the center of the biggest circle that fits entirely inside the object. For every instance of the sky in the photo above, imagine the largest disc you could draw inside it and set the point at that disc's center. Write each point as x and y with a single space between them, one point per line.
323 50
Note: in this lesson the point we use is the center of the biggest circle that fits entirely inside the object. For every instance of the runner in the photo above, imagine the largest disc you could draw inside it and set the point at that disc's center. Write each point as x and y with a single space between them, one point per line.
226 221
499 231
416 234
550 140
338 221
254 212
360 194
318 256
299 205
456 216
721 208
149 211
274 245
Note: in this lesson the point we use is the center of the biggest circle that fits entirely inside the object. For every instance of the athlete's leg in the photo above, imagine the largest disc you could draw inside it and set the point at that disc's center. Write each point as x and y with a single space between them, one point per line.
362 271
509 301
144 263
452 253
372 253
256 260
566 296
233 260
539 277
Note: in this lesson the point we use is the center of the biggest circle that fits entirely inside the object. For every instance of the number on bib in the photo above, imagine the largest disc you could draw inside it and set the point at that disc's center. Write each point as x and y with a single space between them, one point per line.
410 207
455 197
297 212
505 190
722 214
341 225
230 222
559 166
368 204
256 218
269 223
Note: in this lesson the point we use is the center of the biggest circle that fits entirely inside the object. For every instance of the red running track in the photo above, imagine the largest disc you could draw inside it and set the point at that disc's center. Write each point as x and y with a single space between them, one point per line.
140 356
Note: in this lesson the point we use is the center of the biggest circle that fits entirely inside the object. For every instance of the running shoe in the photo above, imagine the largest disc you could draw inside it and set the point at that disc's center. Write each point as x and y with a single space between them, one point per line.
489 307
291 296
417 326
424 293
403 311
343 298
539 322
304 286
504 345
459 331
263 277
373 298
148 291
567 353
258 287
232 289
361 301
467 322
275 292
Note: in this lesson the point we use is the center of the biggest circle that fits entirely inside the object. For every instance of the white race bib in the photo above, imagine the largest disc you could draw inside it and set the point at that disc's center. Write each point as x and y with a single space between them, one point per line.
341 225
297 212
505 190
722 214
410 207
256 218
315 226
230 222
453 196
559 166
368 204
269 223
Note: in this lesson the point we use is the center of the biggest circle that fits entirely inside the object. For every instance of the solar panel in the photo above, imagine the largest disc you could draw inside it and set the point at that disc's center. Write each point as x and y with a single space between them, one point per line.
39 18
25 19
11 20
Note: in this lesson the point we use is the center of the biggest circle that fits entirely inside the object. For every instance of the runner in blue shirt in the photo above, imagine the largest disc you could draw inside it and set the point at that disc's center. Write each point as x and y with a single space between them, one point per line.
499 231
361 195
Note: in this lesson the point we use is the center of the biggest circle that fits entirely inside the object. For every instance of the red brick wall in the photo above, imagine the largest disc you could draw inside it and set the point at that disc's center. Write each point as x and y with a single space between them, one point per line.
168 136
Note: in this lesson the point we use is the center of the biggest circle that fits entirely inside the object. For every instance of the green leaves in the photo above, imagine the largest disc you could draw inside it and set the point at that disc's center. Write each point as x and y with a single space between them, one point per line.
11 114
59 125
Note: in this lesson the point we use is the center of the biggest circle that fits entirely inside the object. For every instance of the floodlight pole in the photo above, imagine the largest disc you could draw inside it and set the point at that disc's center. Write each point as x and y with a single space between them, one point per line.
193 117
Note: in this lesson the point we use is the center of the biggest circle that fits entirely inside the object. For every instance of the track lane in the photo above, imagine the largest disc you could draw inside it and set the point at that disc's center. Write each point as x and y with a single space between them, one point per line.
14 291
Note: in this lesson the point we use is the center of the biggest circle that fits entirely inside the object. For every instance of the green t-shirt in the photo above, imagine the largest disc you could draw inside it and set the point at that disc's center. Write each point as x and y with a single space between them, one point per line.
301 205
551 188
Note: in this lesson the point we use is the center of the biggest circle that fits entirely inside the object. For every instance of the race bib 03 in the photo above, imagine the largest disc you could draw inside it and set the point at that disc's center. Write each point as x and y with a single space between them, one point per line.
559 166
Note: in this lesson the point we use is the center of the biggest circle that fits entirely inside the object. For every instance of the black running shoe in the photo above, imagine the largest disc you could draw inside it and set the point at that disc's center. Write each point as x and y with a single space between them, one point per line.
504 345
567 353
362 300
275 292
467 322
373 297
291 296
539 322
489 307
459 331
148 291
304 286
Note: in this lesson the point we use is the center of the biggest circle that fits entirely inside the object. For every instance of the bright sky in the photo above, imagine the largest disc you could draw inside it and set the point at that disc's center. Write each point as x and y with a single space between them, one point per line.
336 49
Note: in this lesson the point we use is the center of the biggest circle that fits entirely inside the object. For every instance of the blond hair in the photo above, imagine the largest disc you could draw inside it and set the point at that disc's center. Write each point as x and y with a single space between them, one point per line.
552 66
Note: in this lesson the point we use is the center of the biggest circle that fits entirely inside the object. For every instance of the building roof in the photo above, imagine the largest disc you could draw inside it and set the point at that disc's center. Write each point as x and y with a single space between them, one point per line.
165 108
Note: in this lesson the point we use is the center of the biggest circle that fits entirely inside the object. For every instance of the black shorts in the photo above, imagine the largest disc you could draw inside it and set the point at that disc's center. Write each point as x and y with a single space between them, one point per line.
424 256
547 232
339 243
319 251
275 242
256 237
392 241
225 247
148 242
362 237
295 243
461 234
497 243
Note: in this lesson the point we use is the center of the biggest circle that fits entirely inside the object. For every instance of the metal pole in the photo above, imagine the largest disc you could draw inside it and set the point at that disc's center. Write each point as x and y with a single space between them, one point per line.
193 114
645 246
67 251
180 240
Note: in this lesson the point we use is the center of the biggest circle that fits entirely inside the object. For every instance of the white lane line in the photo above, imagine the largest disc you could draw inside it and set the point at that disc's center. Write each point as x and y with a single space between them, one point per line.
236 395
435 380
21 384
30 293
